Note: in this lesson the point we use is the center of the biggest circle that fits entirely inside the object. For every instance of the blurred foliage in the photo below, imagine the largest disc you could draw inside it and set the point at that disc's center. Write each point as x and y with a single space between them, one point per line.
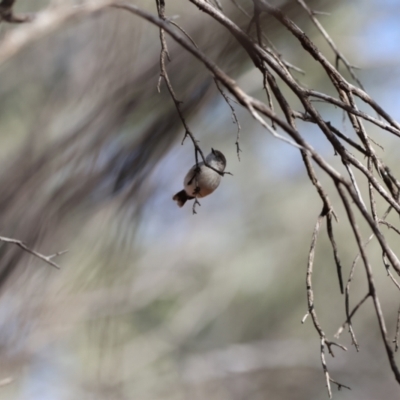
153 302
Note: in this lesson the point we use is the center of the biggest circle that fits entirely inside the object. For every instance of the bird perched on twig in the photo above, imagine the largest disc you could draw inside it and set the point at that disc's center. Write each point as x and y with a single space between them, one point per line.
201 180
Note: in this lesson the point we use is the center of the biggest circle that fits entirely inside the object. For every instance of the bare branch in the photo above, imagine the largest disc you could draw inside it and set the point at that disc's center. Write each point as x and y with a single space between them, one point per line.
47 259
311 306
44 23
396 338
234 117
371 284
339 55
350 315
347 189
335 250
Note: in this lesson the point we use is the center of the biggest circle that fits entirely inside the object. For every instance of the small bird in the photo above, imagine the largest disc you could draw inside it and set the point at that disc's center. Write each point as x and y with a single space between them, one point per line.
201 180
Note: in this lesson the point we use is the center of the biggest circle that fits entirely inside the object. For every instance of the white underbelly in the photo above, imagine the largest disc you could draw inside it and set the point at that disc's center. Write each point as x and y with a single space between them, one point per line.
206 181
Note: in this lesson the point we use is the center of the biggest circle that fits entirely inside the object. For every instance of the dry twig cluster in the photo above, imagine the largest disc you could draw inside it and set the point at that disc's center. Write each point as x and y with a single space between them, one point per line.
269 63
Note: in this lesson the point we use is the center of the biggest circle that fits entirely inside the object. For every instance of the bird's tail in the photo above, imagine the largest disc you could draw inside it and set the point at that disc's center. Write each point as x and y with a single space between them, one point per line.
181 198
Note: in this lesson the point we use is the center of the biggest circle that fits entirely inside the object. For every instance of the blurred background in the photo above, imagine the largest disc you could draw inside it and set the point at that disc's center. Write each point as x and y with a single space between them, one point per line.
152 302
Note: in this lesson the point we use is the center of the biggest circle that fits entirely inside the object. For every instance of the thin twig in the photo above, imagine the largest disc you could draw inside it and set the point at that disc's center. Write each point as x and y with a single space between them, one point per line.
311 307
339 55
335 250
164 75
371 284
325 368
389 225
340 385
396 338
234 117
184 32
350 315
390 275
22 245
272 50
